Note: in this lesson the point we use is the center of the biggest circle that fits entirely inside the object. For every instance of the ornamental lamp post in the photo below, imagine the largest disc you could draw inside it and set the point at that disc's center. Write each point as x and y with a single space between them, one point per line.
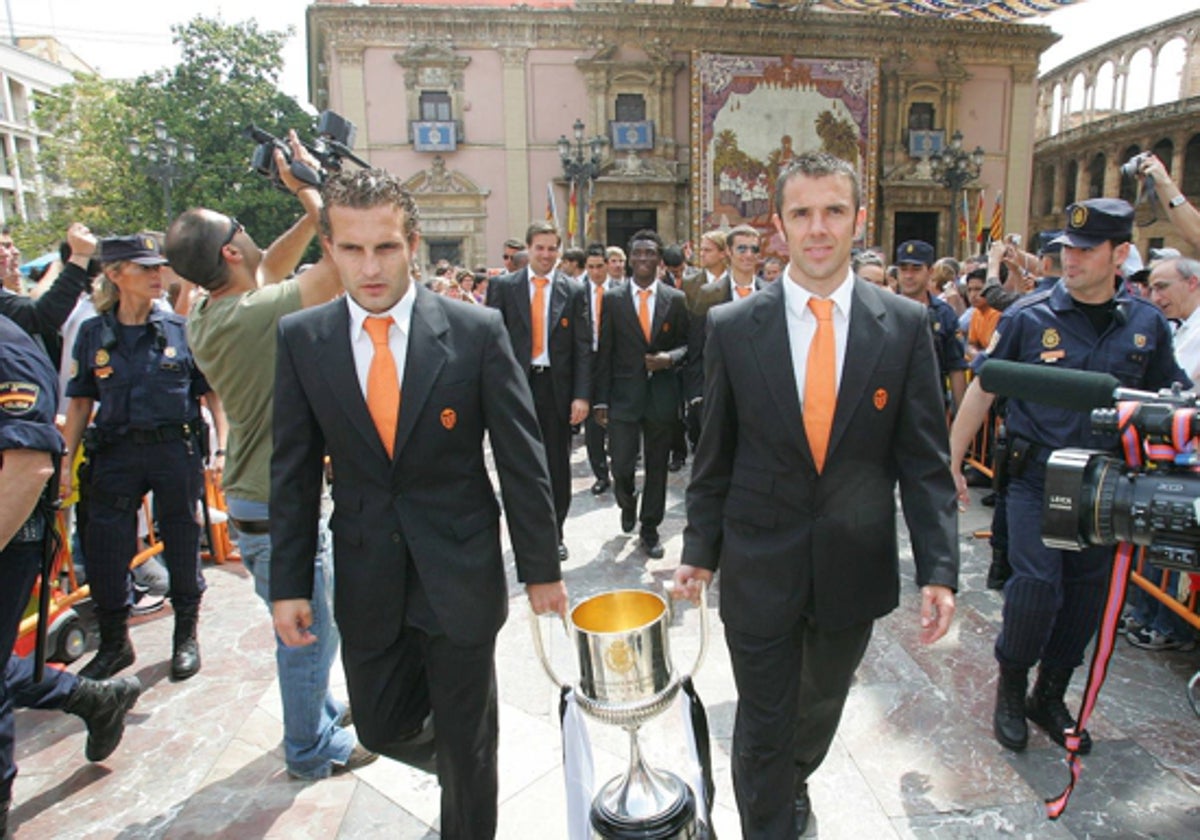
164 160
580 168
954 168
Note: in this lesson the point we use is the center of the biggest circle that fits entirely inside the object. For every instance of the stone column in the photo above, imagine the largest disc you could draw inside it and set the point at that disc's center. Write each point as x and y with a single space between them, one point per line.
348 69
516 139
1019 176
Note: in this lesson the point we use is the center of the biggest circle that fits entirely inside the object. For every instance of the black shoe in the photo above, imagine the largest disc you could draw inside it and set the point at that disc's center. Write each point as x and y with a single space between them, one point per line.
1008 720
653 548
601 485
989 500
802 807
103 704
185 655
999 571
1046 708
116 651
563 554
629 518
676 463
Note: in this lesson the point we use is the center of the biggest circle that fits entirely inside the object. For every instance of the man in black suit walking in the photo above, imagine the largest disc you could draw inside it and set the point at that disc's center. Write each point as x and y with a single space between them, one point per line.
398 385
643 344
821 395
546 313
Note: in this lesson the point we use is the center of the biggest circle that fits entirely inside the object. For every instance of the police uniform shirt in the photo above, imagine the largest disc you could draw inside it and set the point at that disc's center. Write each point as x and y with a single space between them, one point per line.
1047 328
947 337
143 375
28 393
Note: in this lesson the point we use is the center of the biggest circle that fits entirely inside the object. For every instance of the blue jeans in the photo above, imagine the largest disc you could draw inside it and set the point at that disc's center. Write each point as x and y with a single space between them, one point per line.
311 737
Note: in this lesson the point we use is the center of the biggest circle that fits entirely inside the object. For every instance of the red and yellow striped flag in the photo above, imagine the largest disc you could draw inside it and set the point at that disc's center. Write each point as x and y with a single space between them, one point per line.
997 231
979 219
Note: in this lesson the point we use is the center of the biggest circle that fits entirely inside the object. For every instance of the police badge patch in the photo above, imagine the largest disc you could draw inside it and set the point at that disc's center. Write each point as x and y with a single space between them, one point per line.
17 398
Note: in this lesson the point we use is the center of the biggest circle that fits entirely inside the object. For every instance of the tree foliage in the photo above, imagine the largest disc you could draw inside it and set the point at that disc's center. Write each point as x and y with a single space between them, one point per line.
227 79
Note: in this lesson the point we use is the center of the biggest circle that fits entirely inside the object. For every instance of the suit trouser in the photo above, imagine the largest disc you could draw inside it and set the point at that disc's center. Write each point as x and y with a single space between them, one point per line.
556 437
791 691
1053 601
20 564
596 437
391 691
623 439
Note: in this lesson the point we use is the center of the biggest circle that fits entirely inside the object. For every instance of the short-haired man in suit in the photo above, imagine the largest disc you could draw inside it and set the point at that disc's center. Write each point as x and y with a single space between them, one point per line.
615 257
820 396
595 436
546 314
643 344
399 385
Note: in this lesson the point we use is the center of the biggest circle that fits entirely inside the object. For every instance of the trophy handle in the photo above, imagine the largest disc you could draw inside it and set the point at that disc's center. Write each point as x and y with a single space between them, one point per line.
540 648
703 625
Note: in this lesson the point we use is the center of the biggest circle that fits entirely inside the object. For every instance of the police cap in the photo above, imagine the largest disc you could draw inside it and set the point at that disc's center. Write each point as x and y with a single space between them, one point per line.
140 248
914 252
1096 221
1047 242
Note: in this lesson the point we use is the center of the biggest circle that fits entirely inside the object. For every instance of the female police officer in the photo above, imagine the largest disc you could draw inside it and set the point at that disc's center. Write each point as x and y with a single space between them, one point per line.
134 359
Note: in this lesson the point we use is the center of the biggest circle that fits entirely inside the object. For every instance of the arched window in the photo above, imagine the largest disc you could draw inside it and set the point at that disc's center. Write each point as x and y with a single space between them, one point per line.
1046 190
1096 176
1168 75
1072 180
1078 102
1190 182
1056 110
1164 150
1137 82
1106 89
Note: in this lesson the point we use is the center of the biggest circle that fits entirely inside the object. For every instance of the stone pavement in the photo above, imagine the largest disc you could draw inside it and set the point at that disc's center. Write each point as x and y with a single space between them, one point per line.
914 756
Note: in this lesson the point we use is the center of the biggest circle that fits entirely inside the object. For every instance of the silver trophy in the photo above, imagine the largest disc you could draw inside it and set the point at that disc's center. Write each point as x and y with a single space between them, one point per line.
625 679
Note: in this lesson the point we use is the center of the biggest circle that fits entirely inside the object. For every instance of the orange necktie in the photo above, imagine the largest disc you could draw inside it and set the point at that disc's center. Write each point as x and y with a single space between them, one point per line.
383 386
538 315
820 382
644 312
742 291
599 307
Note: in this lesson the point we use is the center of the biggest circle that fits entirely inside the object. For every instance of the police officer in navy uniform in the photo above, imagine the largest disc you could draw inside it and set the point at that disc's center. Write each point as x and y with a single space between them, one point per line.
915 260
133 358
1054 599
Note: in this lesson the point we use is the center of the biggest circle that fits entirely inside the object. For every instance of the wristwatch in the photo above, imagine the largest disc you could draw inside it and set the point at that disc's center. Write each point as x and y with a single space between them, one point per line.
1177 200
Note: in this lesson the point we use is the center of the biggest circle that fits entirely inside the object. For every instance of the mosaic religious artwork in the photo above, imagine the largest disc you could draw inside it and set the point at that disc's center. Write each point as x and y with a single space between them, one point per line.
753 114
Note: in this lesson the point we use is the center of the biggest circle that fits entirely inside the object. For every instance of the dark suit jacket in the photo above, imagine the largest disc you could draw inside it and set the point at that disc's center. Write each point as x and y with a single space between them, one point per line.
433 502
709 295
791 543
622 383
570 344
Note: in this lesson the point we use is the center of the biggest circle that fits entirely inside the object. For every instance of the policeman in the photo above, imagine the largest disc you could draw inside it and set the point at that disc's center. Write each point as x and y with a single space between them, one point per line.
1053 601
134 359
915 261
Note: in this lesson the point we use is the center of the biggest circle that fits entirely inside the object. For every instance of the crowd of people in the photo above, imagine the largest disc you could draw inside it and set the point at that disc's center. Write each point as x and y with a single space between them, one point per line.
807 388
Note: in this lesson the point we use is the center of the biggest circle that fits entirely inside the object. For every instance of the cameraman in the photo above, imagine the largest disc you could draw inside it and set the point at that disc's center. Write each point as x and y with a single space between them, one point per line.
1180 212
232 334
1053 601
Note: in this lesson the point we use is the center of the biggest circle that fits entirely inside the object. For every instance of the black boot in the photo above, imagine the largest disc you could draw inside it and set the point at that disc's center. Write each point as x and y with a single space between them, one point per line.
999 572
185 659
1008 721
1046 708
102 704
116 651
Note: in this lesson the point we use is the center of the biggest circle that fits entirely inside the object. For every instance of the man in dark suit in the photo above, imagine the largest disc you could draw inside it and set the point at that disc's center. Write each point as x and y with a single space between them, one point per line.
643 344
595 436
546 313
398 386
792 489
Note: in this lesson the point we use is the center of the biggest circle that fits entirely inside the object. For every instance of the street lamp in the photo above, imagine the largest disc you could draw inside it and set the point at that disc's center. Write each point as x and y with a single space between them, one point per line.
954 168
163 159
580 169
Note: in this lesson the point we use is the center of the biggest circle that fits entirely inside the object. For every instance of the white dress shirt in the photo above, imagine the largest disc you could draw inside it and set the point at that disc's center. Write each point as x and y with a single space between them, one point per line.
364 349
1187 346
802 324
634 290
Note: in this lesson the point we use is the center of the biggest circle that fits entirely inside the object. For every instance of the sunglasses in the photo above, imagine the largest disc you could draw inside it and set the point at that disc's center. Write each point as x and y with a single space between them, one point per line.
747 249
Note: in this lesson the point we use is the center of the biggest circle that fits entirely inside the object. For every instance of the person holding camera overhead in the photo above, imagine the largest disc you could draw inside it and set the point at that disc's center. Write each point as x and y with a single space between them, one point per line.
1054 599
134 359
1179 211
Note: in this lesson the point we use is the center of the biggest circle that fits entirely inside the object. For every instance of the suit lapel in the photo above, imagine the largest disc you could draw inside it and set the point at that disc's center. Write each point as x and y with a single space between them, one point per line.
558 300
774 354
662 303
427 353
864 345
628 311
335 360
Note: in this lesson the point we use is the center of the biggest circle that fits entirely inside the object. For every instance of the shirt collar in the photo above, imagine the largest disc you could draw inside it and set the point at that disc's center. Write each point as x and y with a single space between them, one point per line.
796 296
401 312
635 288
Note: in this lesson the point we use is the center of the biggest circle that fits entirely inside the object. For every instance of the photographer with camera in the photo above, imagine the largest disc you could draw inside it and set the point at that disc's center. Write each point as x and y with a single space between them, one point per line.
1180 212
232 333
1054 599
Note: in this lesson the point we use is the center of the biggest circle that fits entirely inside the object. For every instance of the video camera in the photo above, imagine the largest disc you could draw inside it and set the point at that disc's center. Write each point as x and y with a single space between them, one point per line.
335 136
1092 498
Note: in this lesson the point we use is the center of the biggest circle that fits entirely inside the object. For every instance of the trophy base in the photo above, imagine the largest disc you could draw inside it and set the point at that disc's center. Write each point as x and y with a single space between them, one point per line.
675 822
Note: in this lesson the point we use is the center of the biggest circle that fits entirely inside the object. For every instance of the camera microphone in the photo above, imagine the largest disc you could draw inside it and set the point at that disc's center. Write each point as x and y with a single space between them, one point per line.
1075 390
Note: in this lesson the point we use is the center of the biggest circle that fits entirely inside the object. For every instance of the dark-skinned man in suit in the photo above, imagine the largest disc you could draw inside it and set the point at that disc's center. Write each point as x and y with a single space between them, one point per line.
643 345
792 491
546 314
398 385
